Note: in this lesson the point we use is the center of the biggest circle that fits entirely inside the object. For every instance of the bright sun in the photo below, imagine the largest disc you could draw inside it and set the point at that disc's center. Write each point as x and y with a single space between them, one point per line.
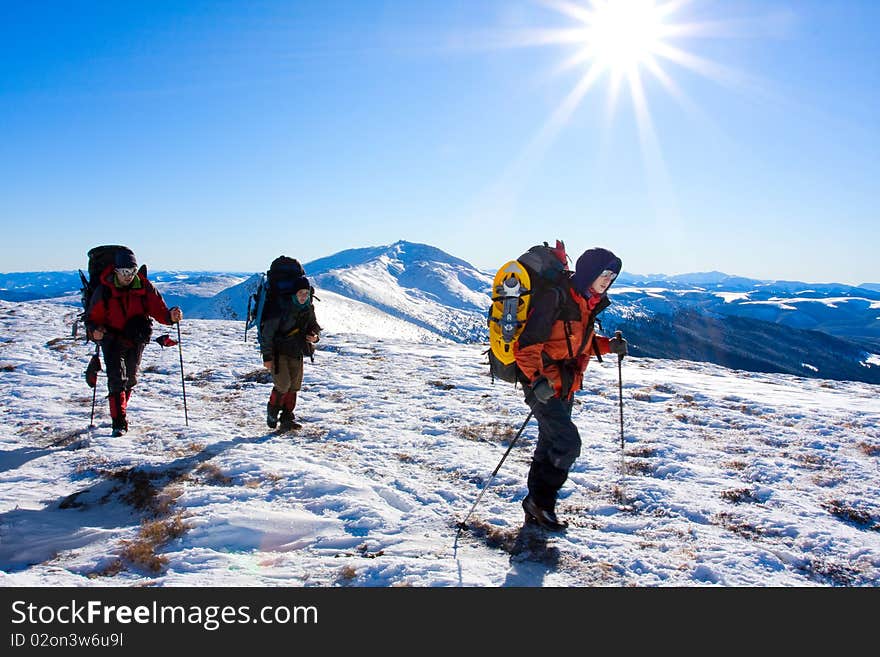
625 42
621 35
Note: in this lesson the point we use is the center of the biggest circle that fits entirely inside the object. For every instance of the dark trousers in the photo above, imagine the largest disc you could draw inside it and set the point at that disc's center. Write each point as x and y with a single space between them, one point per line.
121 362
559 444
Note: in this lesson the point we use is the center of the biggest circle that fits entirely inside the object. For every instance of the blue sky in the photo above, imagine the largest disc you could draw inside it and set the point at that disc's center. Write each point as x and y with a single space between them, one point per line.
216 135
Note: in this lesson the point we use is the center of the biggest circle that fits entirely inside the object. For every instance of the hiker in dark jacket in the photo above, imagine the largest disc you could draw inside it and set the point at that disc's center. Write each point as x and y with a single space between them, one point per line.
289 331
118 318
552 353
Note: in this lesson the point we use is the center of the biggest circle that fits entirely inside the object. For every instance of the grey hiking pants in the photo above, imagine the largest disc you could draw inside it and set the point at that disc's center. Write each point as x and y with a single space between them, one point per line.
559 444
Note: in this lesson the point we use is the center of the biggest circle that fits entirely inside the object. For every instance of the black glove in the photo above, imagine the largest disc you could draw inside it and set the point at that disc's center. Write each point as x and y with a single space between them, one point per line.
542 390
617 345
92 370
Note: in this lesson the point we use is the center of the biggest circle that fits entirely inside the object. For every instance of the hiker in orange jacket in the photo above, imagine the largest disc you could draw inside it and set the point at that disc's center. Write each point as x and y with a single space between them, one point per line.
552 353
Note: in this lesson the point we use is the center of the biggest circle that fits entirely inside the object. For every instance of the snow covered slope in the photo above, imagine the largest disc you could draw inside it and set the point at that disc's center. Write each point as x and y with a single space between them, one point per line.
729 478
336 314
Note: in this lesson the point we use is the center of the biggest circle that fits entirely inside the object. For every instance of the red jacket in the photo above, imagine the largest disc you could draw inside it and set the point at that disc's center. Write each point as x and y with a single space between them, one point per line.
559 339
112 311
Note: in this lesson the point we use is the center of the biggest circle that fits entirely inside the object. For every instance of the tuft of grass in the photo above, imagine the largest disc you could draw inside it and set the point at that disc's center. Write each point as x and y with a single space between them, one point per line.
261 375
142 554
7 368
213 475
748 410
153 535
618 494
140 491
838 574
813 460
739 526
826 480
737 495
492 432
638 467
868 449
687 419
162 531
850 513
347 573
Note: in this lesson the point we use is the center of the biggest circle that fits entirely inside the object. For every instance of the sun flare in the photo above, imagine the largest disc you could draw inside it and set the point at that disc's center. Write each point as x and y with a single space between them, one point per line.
629 47
627 44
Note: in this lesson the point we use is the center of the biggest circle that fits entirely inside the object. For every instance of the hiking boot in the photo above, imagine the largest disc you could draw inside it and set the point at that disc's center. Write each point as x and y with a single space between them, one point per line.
120 426
272 415
545 518
287 421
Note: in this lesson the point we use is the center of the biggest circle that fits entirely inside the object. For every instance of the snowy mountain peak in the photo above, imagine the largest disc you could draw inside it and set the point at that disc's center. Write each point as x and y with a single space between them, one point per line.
416 282
403 253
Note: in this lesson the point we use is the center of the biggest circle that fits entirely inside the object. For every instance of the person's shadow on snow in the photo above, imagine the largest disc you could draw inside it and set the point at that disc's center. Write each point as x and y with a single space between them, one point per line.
531 559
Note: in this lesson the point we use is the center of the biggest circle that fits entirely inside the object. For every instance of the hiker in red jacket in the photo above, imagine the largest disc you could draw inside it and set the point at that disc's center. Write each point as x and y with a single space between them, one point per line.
552 353
118 318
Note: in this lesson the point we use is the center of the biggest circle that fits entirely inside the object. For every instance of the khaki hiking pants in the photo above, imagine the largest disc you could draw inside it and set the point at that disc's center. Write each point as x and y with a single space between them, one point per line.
289 374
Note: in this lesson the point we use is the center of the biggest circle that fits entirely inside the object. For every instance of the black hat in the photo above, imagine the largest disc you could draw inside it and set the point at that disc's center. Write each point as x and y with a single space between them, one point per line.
124 258
592 263
301 283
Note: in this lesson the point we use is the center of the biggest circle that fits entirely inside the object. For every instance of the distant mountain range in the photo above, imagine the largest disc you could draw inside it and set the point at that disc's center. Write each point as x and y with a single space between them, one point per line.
816 330
176 286
833 308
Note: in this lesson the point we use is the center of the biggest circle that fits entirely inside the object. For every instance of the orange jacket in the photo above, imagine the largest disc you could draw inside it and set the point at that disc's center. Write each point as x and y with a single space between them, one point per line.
559 338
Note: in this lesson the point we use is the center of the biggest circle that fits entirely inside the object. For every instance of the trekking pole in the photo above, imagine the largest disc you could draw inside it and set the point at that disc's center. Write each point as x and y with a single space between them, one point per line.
463 523
182 380
94 391
619 335
247 318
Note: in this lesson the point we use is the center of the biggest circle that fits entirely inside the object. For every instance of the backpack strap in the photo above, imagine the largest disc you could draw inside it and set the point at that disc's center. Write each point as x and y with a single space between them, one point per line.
596 348
560 299
602 305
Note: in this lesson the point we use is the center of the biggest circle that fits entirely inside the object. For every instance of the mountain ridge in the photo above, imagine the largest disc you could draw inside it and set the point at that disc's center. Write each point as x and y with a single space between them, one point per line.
441 295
